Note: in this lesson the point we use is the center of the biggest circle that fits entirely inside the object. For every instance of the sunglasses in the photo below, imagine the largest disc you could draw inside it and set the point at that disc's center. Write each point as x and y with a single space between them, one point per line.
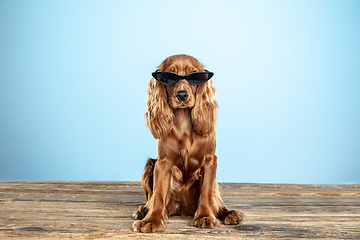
170 78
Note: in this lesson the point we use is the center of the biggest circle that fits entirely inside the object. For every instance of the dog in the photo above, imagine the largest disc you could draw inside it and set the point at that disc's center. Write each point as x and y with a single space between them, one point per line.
181 113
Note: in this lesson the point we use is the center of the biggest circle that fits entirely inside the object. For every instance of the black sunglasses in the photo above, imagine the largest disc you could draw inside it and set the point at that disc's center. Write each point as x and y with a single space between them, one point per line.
170 78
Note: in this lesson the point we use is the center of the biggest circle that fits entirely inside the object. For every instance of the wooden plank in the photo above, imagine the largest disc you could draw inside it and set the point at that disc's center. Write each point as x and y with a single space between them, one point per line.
103 210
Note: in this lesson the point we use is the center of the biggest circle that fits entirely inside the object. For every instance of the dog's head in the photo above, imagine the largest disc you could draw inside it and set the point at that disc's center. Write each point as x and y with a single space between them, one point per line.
164 98
181 94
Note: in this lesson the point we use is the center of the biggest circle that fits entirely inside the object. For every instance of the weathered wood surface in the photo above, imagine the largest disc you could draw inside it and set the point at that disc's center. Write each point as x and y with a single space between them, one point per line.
103 210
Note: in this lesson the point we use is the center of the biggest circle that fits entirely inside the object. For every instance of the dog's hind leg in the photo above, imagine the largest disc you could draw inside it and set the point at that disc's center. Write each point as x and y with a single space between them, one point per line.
147 183
226 216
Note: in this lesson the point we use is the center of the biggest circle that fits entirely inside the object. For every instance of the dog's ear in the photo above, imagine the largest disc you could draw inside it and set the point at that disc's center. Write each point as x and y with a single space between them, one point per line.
204 113
159 115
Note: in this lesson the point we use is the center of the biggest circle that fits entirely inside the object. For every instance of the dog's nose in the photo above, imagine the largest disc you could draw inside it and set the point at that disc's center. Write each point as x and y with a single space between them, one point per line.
182 95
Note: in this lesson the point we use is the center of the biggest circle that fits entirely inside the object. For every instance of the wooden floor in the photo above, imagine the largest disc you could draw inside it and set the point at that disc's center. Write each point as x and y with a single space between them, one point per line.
103 210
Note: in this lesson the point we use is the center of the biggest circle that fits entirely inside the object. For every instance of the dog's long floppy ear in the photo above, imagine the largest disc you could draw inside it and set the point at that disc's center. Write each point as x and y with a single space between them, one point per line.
159 116
204 113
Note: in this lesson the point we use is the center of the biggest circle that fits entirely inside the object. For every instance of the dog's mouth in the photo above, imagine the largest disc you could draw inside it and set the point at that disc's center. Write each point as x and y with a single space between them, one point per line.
180 104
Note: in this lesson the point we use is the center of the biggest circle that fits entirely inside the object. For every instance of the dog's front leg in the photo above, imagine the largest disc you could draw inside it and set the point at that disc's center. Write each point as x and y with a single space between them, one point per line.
207 206
154 220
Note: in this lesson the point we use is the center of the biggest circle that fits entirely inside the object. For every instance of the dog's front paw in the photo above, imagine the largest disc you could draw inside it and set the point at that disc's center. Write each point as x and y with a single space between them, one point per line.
141 213
233 217
148 226
205 222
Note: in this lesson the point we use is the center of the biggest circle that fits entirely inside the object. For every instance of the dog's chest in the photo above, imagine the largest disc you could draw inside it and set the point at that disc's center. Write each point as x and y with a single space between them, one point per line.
182 129
182 123
184 133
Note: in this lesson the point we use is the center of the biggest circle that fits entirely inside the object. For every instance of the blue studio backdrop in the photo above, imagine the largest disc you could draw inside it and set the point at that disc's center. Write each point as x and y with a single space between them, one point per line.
73 78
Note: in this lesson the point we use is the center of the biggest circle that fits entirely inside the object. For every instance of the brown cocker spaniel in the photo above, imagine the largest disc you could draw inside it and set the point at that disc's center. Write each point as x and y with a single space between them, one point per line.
181 113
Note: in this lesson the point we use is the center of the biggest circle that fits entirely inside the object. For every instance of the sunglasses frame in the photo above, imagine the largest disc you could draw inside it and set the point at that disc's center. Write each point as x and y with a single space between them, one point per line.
186 77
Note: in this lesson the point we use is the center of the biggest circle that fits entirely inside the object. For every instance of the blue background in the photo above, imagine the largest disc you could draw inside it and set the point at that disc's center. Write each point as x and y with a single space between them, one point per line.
73 78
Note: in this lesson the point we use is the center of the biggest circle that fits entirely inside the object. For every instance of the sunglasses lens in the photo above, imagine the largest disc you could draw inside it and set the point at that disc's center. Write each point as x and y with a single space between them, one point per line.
166 78
199 78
